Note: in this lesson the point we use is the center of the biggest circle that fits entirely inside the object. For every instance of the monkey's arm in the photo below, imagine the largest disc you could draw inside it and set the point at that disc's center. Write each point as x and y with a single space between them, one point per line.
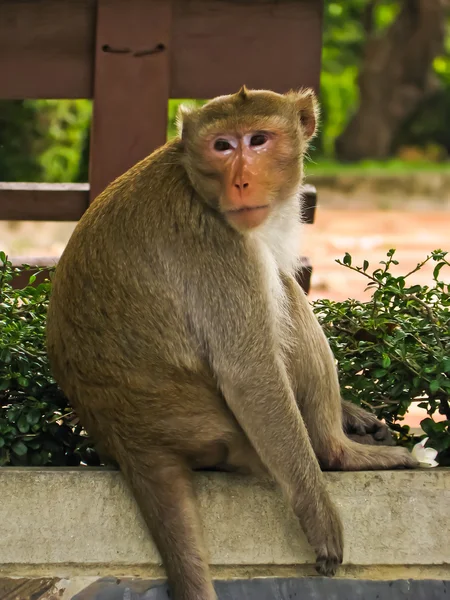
231 312
364 427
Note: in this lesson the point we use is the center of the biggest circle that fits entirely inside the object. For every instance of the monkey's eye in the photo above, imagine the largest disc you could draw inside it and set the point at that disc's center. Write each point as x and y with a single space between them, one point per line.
222 145
258 139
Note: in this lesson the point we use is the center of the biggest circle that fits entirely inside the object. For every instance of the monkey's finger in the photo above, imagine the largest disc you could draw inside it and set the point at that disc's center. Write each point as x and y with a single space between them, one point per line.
327 566
382 432
358 428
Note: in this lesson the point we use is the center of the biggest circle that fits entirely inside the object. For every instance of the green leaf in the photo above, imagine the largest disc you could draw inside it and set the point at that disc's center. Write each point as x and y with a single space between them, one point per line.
437 269
366 266
386 361
19 448
413 289
6 356
434 385
13 414
3 257
2 442
33 416
22 424
347 260
379 373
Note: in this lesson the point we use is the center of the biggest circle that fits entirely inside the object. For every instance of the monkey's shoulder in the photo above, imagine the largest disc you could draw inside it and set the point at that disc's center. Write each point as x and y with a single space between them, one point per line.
152 189
159 175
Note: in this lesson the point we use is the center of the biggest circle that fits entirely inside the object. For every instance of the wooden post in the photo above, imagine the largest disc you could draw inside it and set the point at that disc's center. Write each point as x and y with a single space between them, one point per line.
131 86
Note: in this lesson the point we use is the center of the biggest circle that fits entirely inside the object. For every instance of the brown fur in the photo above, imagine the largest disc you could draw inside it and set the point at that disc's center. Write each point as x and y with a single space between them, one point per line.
183 343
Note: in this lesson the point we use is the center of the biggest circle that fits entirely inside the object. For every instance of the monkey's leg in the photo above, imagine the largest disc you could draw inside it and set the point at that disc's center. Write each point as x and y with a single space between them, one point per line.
162 486
319 399
238 329
286 453
362 426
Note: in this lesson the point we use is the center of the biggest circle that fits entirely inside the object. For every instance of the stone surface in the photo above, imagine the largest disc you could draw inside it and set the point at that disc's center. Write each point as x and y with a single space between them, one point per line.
317 588
87 517
281 589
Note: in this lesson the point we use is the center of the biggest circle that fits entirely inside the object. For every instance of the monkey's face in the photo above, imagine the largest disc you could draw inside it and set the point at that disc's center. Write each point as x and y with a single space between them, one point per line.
243 153
251 171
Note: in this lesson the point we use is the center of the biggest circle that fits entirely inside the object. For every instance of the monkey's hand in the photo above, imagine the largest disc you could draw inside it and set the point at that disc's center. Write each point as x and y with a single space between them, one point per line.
327 537
363 427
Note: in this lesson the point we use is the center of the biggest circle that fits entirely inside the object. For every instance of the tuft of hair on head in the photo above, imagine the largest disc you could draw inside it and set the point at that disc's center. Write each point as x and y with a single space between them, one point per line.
307 108
243 93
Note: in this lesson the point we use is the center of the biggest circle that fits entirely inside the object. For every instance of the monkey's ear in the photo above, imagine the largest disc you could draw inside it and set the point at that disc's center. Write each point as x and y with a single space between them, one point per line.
183 118
308 110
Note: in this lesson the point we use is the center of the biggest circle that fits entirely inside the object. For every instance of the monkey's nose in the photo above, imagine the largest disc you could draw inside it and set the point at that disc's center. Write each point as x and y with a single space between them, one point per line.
241 186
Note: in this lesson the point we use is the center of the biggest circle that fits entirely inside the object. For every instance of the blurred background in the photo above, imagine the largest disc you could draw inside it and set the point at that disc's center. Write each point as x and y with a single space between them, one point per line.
381 161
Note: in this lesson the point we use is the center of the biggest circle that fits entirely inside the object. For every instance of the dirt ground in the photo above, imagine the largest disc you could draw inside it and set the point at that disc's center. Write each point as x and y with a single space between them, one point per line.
369 234
363 231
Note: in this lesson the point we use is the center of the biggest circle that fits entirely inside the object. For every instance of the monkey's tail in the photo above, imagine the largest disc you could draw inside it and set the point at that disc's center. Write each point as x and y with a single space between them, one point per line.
162 487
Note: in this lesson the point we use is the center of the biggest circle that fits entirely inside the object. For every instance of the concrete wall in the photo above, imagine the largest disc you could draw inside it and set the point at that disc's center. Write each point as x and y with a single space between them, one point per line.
83 523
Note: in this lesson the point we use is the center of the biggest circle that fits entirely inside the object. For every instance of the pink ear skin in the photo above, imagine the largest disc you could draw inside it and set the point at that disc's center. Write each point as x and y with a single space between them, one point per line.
308 110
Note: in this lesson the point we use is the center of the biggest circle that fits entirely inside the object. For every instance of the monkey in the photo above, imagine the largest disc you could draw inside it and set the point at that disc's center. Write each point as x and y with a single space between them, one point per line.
181 338
364 427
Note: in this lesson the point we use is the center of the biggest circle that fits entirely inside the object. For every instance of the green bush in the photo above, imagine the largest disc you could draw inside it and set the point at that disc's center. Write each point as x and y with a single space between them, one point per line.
395 349
37 427
391 351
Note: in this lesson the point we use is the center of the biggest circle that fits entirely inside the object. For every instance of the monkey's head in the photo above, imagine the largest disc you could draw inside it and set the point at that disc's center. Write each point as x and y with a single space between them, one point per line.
244 152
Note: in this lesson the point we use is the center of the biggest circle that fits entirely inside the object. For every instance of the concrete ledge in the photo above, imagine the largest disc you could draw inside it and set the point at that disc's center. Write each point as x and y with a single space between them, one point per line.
80 520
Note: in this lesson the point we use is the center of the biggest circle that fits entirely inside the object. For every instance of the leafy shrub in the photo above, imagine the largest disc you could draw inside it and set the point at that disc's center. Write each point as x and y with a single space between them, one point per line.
37 427
395 349
391 351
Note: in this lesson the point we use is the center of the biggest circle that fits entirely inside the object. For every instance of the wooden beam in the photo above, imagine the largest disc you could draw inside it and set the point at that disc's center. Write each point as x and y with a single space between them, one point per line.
47 46
218 46
36 264
132 86
68 201
43 201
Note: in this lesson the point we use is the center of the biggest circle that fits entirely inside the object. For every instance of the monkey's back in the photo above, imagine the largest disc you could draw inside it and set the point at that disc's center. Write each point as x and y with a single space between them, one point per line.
117 316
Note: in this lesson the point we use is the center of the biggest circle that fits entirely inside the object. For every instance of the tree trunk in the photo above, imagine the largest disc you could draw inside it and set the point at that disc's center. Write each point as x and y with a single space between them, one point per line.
395 77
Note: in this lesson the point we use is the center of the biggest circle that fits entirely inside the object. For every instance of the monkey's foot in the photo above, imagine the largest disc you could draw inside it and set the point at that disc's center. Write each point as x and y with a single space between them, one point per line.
330 556
370 439
400 458
325 534
364 427
367 458
327 565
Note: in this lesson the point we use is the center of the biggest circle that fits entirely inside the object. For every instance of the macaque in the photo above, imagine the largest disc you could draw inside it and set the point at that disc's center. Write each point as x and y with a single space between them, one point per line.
178 332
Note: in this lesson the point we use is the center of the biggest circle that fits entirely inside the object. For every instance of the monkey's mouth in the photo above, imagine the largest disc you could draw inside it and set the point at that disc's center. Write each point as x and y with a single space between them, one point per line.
246 209
248 217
